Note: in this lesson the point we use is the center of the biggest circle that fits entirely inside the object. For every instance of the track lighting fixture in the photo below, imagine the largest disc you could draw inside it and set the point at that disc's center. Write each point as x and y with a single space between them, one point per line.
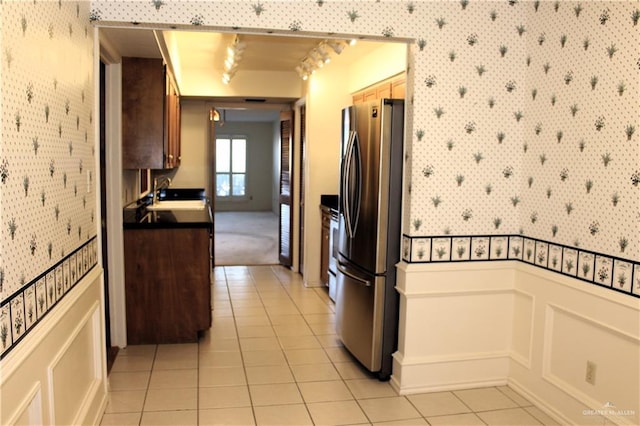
234 55
318 56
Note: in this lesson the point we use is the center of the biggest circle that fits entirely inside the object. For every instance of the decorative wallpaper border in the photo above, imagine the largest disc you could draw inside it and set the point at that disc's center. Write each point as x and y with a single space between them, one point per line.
20 313
618 274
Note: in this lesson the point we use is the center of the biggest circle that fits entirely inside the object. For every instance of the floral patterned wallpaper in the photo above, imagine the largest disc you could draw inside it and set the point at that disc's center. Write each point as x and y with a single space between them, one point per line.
47 174
522 135
581 152
468 101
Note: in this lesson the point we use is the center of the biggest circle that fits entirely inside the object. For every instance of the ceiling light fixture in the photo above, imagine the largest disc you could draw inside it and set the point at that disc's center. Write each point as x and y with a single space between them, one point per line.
318 56
234 55
301 72
324 56
317 59
305 69
336 46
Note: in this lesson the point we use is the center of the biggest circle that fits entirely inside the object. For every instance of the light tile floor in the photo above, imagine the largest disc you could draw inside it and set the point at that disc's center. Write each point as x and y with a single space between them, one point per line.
272 358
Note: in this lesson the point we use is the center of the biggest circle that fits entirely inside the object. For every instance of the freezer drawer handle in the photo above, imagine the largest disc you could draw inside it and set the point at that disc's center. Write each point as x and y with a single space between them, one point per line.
341 268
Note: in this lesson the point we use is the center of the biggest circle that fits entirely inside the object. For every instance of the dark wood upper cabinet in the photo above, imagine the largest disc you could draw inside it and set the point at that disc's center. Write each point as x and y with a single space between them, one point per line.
150 115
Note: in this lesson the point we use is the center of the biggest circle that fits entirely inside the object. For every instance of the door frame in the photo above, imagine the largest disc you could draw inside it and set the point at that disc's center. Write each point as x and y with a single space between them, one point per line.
299 169
294 108
113 198
104 228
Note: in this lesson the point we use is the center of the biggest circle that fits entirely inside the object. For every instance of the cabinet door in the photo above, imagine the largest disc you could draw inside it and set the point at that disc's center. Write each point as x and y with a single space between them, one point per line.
371 95
383 91
398 89
167 285
172 126
142 113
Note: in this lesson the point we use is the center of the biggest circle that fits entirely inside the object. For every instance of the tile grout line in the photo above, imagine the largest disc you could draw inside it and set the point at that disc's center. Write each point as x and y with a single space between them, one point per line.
331 362
244 367
282 348
146 392
198 374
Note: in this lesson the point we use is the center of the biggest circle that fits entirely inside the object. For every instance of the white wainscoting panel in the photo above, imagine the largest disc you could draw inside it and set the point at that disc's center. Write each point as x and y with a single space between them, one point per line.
74 375
523 327
572 340
29 411
574 322
455 327
57 375
491 323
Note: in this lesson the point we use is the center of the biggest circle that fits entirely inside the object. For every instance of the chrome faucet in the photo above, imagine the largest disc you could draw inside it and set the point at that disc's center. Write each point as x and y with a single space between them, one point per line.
158 184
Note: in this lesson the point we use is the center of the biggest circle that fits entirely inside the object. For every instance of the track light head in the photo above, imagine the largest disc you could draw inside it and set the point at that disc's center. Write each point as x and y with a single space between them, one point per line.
336 46
323 56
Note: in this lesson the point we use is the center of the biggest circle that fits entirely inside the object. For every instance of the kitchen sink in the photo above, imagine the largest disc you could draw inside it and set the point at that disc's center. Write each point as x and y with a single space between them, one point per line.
178 205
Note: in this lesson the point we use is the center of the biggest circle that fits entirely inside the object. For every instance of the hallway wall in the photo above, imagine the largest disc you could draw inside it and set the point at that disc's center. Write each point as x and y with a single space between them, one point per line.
52 339
57 375
194 170
195 151
260 170
47 161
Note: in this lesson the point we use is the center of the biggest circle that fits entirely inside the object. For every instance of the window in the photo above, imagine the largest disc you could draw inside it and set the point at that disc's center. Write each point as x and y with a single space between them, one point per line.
231 166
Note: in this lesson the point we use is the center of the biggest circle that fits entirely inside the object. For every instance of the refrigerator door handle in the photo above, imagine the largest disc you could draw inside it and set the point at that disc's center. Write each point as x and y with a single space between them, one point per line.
346 198
352 201
342 268
358 195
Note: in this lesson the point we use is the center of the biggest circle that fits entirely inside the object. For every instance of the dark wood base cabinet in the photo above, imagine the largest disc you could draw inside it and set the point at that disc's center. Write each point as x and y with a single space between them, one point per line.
168 292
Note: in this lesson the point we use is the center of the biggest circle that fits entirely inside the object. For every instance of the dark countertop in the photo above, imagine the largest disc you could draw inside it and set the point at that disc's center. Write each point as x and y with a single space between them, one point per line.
329 201
141 218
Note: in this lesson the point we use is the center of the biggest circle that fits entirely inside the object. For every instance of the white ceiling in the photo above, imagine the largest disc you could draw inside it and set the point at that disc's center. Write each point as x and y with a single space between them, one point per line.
191 51
263 52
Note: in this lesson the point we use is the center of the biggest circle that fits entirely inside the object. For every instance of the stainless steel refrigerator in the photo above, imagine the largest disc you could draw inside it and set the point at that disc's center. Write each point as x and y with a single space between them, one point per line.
370 203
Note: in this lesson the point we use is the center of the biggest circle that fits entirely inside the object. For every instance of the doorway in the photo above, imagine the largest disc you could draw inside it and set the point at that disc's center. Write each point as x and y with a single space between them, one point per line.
243 175
320 158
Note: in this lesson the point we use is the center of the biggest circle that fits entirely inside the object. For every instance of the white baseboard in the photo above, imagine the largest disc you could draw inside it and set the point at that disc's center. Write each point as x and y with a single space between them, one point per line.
418 375
541 404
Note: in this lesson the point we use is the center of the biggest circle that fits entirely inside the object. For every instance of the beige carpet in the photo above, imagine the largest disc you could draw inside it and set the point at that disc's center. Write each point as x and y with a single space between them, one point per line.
245 238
